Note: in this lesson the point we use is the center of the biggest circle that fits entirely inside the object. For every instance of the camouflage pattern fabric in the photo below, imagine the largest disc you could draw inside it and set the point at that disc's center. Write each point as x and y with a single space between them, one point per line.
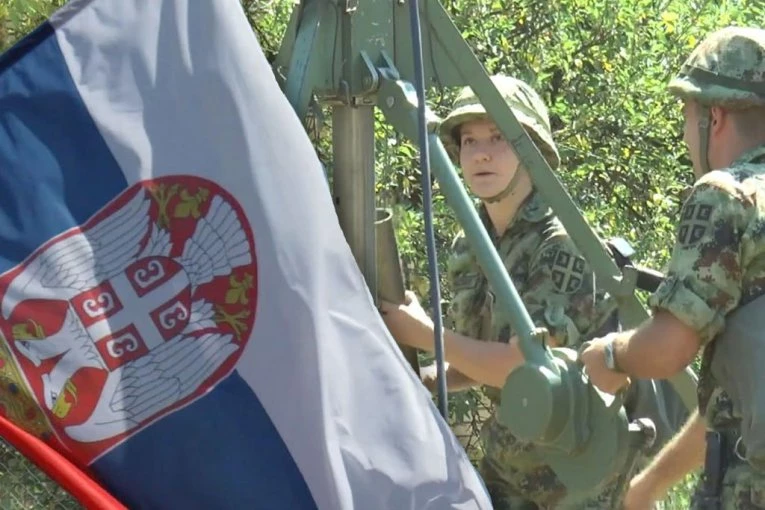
557 287
742 489
553 279
523 101
727 69
516 478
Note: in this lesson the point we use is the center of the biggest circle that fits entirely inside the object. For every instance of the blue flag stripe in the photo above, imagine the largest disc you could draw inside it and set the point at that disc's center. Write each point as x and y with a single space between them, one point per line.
55 168
221 443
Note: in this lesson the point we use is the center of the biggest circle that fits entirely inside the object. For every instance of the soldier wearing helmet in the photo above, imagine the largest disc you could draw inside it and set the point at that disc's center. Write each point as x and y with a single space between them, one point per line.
553 279
713 298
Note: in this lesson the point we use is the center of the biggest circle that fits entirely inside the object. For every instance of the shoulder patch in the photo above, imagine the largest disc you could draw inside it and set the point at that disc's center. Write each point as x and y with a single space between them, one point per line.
695 222
566 268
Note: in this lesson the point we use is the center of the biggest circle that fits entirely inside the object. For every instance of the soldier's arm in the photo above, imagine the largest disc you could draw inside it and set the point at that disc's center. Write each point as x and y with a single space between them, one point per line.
682 455
703 283
464 316
486 363
455 380
660 348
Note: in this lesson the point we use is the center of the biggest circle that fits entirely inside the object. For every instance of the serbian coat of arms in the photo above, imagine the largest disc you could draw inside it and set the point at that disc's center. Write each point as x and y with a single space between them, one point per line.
135 313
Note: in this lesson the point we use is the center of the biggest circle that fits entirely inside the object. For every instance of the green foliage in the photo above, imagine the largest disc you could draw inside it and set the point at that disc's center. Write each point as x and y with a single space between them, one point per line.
19 17
24 487
601 67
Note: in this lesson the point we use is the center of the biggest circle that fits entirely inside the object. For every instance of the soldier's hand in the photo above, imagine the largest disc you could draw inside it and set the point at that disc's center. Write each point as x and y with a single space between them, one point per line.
641 495
408 322
429 377
594 360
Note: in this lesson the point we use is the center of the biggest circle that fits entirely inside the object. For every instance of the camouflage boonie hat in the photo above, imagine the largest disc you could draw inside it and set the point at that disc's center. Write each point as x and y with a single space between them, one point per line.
524 102
726 69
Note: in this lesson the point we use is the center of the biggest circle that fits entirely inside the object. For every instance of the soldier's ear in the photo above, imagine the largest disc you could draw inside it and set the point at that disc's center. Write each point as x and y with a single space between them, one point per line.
719 119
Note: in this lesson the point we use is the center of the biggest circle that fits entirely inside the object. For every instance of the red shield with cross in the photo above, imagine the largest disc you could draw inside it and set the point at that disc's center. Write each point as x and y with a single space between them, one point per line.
140 310
136 311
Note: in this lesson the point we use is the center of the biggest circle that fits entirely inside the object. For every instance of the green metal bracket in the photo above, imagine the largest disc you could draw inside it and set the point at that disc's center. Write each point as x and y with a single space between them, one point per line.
327 41
357 54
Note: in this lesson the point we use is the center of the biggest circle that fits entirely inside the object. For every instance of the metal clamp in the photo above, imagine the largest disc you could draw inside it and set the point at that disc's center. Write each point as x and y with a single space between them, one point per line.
737 450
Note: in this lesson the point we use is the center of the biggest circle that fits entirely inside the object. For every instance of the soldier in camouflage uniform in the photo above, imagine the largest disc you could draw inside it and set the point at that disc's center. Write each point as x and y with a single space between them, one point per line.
554 281
714 294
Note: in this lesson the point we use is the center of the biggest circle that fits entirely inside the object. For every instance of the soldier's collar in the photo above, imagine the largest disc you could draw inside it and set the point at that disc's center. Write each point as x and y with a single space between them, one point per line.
756 155
533 210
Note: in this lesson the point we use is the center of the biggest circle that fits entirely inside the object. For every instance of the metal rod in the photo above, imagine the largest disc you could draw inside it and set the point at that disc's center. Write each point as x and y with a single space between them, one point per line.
427 203
353 141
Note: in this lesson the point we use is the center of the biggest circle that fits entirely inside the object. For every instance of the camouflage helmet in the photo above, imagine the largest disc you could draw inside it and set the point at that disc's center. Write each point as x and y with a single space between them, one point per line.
525 104
727 69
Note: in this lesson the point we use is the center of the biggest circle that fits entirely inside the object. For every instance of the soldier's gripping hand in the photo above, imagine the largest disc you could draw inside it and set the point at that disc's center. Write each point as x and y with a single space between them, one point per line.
408 322
594 358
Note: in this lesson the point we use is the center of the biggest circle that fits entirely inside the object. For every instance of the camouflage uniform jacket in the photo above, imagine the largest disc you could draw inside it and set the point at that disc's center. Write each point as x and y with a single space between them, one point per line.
556 285
718 265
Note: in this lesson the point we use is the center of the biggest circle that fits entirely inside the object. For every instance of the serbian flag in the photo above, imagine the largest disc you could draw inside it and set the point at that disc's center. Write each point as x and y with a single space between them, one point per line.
181 314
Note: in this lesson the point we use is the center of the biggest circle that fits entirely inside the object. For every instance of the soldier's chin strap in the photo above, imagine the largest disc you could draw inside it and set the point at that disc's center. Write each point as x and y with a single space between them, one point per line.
508 189
705 120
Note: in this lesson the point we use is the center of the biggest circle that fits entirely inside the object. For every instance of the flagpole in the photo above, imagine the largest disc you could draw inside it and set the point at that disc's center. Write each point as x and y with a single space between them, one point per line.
427 204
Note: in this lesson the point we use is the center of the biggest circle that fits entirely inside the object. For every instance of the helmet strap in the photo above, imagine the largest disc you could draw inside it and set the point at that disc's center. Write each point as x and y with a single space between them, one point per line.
705 120
508 189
